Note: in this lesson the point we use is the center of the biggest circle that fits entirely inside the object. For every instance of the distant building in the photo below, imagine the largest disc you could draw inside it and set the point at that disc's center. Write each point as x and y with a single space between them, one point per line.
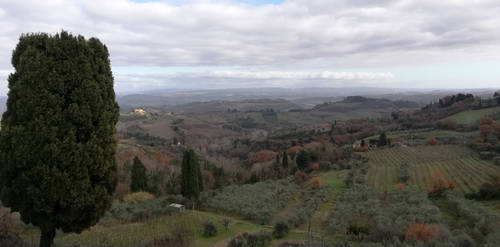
180 208
140 111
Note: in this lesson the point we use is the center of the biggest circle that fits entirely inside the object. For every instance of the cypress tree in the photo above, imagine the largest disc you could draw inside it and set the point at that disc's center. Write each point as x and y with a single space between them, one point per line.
285 160
303 159
382 140
192 181
57 141
139 179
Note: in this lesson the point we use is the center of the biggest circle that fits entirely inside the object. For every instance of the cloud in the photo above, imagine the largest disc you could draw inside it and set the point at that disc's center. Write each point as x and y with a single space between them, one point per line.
304 34
325 75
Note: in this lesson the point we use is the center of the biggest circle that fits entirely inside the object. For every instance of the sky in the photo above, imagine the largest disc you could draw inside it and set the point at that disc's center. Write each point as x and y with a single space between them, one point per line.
208 44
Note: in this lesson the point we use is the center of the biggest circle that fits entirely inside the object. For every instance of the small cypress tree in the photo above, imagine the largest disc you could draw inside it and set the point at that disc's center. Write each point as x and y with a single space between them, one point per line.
303 159
382 140
285 160
192 181
57 141
139 178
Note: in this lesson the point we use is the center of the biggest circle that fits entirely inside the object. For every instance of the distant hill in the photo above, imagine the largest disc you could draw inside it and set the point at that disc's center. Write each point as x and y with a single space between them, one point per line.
357 103
243 105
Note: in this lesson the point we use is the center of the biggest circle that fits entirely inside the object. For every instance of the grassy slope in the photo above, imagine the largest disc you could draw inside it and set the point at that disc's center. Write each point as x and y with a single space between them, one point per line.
471 117
138 234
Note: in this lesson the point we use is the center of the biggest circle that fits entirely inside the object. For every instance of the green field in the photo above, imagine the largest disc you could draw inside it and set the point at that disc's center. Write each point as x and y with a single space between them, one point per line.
459 163
473 116
141 233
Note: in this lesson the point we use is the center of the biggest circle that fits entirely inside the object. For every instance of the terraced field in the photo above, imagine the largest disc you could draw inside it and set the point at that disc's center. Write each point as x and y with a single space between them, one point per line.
459 163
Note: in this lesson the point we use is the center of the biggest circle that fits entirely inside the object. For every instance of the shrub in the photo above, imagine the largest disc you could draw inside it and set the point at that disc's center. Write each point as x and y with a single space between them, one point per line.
432 141
490 190
438 183
226 222
404 173
138 197
209 229
281 229
316 182
261 239
422 232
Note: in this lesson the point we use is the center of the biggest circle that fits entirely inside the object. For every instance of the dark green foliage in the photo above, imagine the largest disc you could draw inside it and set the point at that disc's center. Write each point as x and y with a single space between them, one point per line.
303 160
192 183
280 230
145 139
285 160
382 140
57 141
363 143
139 179
209 229
261 239
490 190
497 97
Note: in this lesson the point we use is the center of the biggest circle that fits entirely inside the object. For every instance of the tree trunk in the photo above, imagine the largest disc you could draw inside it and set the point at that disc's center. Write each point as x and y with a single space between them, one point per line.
47 237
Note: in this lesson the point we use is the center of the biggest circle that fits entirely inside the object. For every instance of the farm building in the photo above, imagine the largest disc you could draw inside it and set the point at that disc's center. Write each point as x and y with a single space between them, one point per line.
180 208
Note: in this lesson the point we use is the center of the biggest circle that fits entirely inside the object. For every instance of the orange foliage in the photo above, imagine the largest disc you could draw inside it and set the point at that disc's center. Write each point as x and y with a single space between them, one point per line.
315 166
479 139
438 183
400 186
486 121
316 182
422 232
293 150
432 141
485 130
262 156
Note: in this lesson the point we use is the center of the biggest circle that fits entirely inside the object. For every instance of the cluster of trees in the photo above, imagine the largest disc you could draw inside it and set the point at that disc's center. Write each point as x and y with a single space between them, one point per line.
258 201
453 99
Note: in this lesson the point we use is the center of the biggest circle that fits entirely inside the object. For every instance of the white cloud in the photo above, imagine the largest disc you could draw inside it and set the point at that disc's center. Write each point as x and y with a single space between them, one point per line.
298 33
325 75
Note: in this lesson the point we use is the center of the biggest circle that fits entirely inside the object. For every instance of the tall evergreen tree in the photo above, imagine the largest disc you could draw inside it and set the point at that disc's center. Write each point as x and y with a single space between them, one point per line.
139 178
303 159
57 141
192 181
285 160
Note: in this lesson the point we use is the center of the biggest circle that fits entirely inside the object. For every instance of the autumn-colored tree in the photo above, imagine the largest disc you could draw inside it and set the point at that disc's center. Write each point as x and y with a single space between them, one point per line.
315 166
400 186
486 121
438 183
485 130
422 232
316 182
293 151
432 141
262 156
